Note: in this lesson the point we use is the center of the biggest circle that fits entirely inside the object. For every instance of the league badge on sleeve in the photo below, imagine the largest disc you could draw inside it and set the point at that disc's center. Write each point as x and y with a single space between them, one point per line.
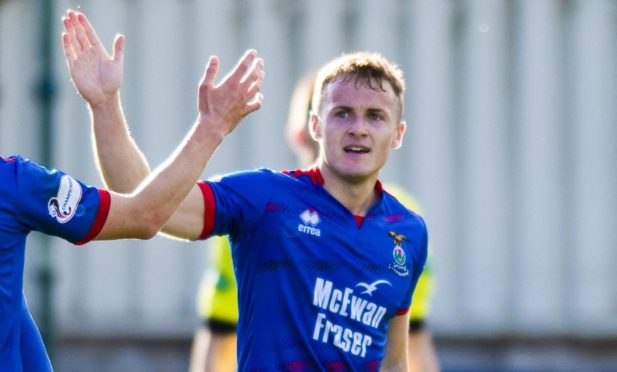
62 207
398 266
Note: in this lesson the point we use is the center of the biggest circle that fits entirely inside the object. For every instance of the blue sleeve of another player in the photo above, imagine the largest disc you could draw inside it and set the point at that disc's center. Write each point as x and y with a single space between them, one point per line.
419 255
57 204
235 200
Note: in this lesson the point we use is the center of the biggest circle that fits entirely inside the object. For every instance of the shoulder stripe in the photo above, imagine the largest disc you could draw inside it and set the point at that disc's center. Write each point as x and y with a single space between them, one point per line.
101 217
209 209
402 311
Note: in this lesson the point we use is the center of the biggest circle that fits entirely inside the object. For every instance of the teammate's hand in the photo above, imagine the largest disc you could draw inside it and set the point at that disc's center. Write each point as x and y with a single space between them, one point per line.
223 106
97 76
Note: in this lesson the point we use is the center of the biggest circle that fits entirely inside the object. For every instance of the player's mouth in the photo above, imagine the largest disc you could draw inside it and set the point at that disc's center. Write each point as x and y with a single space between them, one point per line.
356 149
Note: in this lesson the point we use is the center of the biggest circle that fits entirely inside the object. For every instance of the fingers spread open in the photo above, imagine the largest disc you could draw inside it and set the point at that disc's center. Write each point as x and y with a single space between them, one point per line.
254 82
119 49
80 34
212 70
89 31
69 28
254 104
243 65
206 83
254 74
69 53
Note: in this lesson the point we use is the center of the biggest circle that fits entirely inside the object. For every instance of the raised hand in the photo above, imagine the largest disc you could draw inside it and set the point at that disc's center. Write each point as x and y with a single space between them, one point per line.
223 106
97 76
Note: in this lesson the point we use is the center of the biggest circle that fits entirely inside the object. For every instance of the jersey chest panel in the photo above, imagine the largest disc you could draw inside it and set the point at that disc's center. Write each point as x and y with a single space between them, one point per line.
322 279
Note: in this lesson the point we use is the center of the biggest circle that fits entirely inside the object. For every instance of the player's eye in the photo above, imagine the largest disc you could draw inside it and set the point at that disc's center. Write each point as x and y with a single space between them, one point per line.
341 114
373 116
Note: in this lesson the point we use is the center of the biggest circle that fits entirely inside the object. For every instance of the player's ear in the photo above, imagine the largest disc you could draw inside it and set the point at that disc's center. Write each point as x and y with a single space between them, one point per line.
315 126
397 140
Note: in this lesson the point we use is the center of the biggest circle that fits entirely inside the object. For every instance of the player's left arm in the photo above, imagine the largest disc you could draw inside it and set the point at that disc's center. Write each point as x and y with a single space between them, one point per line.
395 358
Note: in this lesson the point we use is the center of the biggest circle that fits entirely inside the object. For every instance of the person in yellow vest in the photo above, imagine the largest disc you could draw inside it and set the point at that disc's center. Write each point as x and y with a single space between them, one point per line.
214 343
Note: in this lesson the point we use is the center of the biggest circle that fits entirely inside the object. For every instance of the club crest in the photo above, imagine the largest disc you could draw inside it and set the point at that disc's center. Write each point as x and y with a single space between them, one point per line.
398 253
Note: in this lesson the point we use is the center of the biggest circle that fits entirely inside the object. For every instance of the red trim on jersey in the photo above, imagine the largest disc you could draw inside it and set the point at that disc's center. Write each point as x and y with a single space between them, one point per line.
9 159
359 220
313 173
317 178
372 366
296 365
379 187
402 311
101 217
209 209
339 366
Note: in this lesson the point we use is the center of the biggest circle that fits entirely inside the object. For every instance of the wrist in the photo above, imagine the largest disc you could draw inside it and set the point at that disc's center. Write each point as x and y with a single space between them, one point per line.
110 102
210 128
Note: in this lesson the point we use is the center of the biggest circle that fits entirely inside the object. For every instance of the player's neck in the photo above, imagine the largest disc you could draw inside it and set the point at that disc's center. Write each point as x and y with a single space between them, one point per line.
356 195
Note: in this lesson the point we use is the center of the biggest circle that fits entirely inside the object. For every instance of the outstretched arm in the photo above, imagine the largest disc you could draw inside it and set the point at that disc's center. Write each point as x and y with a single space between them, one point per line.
98 78
154 197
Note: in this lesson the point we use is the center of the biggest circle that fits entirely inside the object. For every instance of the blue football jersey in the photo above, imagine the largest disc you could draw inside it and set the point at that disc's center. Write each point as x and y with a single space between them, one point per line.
34 198
317 286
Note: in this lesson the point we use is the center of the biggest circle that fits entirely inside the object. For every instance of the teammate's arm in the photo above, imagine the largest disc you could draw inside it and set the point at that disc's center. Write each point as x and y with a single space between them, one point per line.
98 78
154 197
395 358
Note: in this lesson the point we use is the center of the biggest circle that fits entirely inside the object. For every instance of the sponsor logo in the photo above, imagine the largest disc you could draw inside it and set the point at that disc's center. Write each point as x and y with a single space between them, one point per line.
329 299
370 288
62 207
398 253
310 219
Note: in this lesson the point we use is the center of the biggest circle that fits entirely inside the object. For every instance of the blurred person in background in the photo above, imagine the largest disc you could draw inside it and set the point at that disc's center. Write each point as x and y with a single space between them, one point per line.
214 343
33 198
316 288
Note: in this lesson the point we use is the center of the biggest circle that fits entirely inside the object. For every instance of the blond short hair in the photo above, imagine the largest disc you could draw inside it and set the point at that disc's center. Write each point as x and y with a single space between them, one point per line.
364 68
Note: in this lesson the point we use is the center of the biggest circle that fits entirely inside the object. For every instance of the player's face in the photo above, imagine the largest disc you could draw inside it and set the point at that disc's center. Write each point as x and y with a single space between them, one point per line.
357 126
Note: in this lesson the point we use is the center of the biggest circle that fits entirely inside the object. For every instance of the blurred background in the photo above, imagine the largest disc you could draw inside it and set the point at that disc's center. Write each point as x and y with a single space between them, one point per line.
511 148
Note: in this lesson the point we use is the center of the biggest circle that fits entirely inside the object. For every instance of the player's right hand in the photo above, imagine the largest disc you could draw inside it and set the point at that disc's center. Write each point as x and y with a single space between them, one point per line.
224 105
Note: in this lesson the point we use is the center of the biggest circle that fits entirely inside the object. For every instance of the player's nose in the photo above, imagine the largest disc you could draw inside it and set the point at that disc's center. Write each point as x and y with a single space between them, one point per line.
358 127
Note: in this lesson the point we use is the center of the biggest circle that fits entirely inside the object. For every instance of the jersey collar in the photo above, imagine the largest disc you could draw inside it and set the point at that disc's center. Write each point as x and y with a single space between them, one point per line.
9 159
315 175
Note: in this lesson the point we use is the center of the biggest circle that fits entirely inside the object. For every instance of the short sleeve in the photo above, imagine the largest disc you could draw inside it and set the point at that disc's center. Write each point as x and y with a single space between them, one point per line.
235 201
57 204
418 253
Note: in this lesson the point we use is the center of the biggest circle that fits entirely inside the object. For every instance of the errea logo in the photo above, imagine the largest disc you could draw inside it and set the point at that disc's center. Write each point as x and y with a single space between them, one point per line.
310 219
